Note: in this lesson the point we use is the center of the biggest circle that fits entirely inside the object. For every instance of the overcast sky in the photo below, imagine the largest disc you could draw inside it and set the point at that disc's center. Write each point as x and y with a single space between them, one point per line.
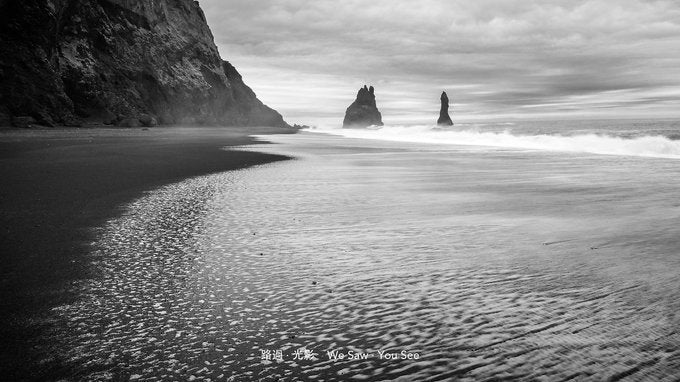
495 58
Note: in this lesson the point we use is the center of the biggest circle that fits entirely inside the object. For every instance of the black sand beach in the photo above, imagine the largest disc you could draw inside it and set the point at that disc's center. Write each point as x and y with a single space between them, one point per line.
486 263
499 202
57 184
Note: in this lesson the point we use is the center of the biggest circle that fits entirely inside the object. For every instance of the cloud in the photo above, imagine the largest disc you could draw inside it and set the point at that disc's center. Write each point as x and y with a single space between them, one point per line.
496 57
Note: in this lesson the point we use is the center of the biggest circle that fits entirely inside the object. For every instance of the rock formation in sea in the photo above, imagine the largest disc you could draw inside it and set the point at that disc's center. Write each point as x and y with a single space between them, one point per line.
126 62
363 112
444 118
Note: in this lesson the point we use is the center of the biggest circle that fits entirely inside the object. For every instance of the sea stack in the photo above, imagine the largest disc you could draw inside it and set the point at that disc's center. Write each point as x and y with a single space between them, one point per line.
363 111
444 118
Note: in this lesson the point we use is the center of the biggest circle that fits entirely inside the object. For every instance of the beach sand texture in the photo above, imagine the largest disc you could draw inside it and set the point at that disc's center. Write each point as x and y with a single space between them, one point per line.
57 185
489 263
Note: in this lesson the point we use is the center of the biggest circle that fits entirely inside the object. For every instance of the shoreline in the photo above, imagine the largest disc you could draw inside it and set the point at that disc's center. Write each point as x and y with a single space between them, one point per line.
452 254
61 183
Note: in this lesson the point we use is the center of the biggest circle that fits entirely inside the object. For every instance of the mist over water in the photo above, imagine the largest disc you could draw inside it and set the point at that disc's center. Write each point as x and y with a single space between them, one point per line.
657 139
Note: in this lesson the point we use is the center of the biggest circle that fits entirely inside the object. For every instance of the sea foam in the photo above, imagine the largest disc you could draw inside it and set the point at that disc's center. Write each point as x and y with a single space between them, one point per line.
655 146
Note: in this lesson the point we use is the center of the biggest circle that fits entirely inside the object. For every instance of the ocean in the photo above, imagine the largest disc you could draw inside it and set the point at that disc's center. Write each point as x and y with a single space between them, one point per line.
530 251
651 138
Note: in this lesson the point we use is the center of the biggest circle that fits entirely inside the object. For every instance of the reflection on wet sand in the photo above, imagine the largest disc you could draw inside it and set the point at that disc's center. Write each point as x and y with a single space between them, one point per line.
486 263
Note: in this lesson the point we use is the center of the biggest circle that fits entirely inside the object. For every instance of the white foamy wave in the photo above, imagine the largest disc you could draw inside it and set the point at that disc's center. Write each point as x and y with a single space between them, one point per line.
645 146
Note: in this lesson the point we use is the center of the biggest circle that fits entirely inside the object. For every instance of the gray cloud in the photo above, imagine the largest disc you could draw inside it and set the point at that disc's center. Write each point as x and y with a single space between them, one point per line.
495 57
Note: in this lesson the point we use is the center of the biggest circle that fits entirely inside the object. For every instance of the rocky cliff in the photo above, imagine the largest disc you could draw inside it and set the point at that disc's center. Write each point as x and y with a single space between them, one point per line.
363 112
444 118
118 61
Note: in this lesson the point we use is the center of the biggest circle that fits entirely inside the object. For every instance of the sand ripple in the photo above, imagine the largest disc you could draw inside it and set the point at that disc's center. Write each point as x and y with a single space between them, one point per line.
197 278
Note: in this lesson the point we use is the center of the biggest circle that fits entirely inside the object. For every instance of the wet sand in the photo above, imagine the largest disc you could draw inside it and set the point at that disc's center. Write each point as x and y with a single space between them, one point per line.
490 264
57 185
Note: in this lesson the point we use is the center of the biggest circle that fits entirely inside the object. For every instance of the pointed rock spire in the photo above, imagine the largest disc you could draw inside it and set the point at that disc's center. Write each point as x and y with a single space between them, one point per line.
444 118
363 112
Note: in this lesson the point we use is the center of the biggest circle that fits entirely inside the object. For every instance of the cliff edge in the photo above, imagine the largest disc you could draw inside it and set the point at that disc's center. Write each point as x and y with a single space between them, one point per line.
124 62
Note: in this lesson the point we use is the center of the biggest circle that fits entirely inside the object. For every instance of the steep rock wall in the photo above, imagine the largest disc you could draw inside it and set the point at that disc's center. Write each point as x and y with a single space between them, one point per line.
67 61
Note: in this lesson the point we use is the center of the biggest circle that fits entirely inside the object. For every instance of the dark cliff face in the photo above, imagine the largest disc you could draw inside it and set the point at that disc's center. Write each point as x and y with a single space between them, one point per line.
444 118
65 61
363 112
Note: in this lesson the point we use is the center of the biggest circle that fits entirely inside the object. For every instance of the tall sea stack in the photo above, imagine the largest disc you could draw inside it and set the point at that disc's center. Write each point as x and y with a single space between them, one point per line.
363 112
67 62
444 118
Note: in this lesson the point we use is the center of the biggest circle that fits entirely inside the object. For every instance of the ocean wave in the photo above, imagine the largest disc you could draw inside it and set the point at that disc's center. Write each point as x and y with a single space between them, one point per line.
655 146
